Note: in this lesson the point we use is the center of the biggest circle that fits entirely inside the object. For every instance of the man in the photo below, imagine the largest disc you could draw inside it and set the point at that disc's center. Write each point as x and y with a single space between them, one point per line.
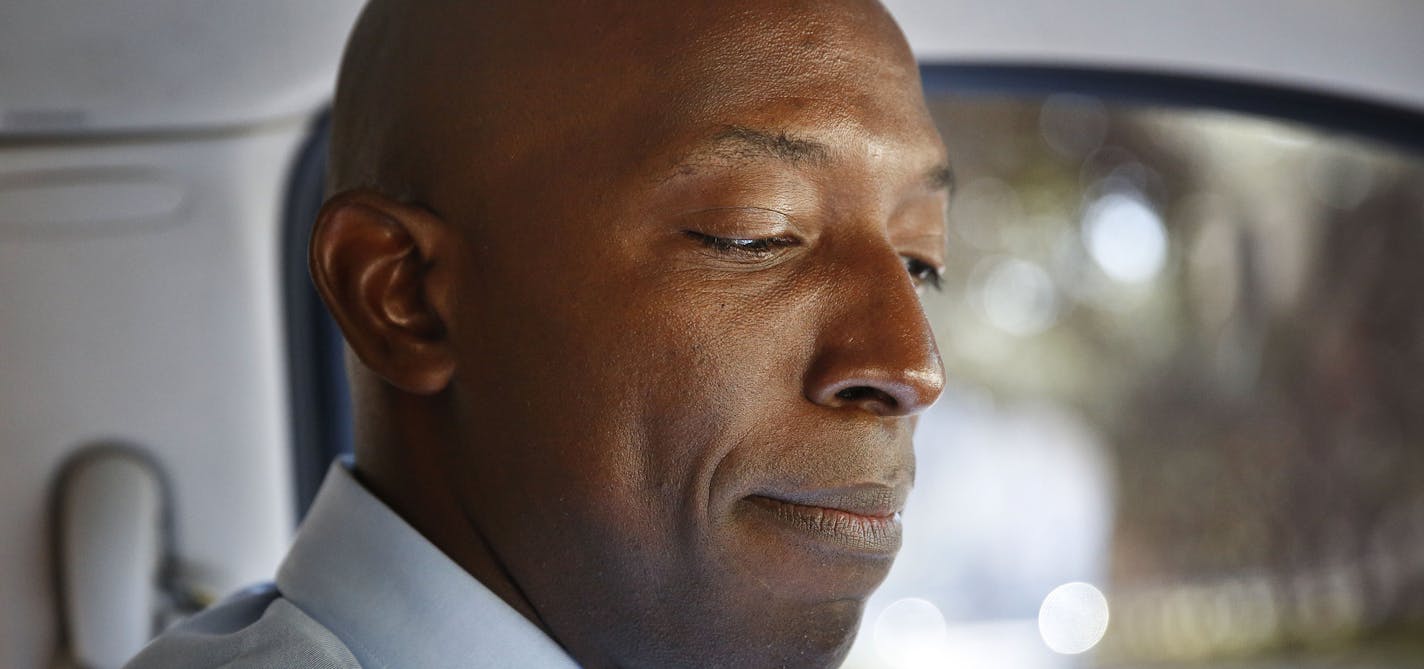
631 294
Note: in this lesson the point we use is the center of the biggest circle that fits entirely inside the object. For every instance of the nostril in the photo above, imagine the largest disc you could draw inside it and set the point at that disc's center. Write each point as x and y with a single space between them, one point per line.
854 393
866 394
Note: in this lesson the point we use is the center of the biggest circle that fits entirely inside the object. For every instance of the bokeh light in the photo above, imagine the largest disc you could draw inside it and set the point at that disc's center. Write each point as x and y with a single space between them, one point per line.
1073 125
1125 237
911 634
1073 618
1017 296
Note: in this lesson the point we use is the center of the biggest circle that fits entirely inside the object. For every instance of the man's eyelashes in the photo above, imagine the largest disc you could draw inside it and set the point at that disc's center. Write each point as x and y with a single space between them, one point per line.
750 248
923 274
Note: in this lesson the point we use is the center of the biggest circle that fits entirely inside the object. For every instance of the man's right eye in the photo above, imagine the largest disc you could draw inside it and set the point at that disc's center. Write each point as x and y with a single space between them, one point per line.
924 274
753 248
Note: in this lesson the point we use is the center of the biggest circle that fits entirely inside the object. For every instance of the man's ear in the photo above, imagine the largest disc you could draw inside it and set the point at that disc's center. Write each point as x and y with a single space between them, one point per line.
382 268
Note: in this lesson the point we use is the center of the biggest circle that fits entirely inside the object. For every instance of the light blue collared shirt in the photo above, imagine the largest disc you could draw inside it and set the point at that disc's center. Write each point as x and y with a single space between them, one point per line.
359 588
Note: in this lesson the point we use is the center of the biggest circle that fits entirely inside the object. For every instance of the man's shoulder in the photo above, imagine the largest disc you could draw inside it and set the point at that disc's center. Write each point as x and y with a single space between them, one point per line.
253 629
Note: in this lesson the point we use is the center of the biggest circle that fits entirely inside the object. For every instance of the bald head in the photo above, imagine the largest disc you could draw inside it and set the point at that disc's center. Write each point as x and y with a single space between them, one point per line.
512 83
631 290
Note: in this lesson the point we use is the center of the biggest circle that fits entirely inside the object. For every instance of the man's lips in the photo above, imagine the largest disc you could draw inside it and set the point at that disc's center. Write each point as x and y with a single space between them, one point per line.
863 519
870 500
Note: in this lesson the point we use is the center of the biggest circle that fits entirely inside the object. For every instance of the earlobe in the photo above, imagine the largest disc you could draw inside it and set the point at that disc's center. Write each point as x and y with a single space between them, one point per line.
376 264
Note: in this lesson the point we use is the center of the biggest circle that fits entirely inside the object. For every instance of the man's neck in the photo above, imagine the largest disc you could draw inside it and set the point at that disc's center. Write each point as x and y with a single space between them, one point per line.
419 491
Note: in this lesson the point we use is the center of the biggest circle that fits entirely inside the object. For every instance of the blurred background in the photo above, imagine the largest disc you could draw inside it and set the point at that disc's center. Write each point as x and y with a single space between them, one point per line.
1187 348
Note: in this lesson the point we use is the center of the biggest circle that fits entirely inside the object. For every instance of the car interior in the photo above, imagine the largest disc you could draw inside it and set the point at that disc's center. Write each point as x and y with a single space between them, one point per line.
1182 321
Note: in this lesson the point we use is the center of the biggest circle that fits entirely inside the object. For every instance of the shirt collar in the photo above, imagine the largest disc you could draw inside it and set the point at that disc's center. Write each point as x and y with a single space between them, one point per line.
394 598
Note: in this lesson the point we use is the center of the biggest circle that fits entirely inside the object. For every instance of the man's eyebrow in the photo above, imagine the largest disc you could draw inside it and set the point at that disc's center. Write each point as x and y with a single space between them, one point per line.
742 143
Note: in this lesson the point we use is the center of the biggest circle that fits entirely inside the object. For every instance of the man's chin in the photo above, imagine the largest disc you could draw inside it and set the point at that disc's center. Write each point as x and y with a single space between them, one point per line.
824 635
784 634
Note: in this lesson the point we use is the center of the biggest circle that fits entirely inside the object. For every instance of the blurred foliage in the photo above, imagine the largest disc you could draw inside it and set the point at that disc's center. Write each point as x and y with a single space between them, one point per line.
1261 391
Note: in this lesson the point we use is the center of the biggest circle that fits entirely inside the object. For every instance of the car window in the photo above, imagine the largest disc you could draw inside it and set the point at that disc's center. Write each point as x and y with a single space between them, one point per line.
1183 427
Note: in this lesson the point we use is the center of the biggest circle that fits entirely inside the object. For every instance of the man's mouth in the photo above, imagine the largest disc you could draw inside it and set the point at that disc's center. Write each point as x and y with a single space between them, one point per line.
861 519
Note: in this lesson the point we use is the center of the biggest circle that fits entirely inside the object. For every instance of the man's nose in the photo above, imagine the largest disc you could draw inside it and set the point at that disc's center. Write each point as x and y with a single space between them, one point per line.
876 352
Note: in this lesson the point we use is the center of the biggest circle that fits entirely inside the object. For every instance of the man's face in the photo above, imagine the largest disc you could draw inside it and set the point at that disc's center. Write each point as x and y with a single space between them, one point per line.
689 343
